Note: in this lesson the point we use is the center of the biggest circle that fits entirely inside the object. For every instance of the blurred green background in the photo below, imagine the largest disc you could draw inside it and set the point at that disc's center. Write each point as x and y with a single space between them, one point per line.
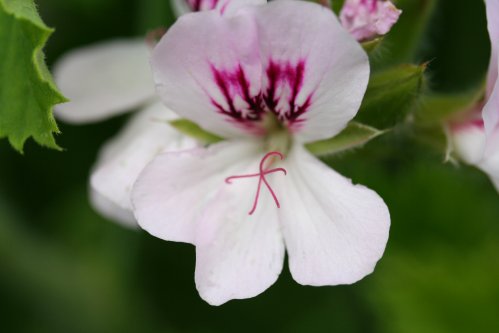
63 268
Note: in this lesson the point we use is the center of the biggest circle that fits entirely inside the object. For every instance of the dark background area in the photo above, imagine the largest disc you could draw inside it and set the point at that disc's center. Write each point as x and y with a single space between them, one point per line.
63 268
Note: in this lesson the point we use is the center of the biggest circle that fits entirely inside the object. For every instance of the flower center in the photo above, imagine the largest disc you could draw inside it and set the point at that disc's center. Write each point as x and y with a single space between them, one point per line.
261 178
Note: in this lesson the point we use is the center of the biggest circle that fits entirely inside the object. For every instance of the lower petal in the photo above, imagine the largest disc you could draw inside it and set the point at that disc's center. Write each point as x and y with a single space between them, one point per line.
173 190
122 159
334 231
238 255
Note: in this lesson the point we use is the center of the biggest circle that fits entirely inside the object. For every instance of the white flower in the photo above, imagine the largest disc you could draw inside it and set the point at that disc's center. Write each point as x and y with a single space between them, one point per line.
476 140
268 78
108 79
105 80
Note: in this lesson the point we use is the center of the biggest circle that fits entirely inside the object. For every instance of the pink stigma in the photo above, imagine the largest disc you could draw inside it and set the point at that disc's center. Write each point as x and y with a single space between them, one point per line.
261 178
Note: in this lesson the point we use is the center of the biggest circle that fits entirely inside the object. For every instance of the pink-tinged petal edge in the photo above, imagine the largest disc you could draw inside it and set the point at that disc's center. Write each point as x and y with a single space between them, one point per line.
492 10
490 112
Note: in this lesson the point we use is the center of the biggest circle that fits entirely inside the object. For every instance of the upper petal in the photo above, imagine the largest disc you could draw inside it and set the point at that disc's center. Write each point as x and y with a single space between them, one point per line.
296 62
207 69
173 190
123 158
315 73
103 80
334 231
238 255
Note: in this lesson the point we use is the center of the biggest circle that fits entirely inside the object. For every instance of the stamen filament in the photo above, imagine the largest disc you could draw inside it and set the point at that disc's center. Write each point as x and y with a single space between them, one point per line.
261 178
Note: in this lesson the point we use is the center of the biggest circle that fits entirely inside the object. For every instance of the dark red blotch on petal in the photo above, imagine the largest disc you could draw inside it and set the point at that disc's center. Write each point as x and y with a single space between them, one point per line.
284 81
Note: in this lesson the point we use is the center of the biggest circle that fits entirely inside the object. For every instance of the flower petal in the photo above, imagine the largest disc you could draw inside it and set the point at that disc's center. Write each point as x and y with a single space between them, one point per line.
238 255
367 19
122 159
172 191
316 74
205 74
110 210
490 163
490 113
468 140
492 10
181 7
472 145
334 231
104 80
296 62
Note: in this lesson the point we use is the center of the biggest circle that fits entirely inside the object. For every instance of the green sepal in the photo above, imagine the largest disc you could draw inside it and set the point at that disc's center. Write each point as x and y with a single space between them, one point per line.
437 138
353 136
27 91
372 45
437 108
391 95
193 130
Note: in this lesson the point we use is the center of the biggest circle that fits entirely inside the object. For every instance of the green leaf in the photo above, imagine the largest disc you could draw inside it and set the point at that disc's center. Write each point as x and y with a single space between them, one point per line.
436 108
193 130
353 136
431 291
27 91
391 95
